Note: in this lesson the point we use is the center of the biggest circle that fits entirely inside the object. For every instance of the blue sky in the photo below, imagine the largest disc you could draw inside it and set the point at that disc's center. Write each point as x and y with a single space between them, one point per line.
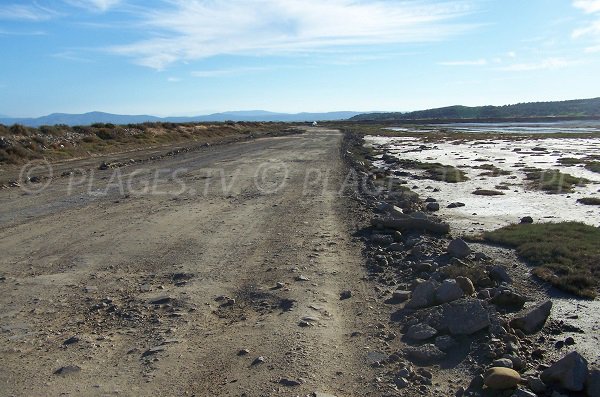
176 57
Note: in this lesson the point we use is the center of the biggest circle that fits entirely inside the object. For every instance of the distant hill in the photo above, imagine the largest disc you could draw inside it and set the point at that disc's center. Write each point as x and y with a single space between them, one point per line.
578 108
100 117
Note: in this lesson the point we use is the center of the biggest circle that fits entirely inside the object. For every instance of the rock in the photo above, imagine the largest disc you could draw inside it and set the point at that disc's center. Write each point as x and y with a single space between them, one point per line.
509 299
449 291
527 219
425 354
503 362
347 294
445 343
569 341
67 370
161 300
243 352
71 340
537 385
401 382
477 382
466 317
382 239
420 332
533 320
466 285
592 387
430 200
423 295
570 372
302 278
499 378
153 350
458 249
289 382
396 247
390 209
258 360
523 393
432 207
456 205
400 296
413 222
499 274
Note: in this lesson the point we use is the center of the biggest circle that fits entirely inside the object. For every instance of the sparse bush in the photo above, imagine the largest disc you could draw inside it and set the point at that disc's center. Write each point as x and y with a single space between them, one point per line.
593 166
553 181
18 129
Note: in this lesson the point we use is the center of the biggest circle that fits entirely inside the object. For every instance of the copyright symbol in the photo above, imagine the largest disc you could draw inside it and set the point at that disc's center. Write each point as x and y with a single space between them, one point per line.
266 178
33 174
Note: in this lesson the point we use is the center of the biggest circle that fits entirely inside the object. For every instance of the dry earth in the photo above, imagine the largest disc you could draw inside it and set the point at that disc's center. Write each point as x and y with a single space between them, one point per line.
130 293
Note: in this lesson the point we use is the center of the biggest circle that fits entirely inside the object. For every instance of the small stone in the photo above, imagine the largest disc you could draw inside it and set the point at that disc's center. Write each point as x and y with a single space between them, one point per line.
466 285
401 382
499 273
432 207
508 298
67 370
537 385
527 219
499 378
400 296
289 382
347 294
161 300
445 342
456 205
533 320
258 360
302 278
243 352
71 340
503 362
420 332
425 354
569 341
449 291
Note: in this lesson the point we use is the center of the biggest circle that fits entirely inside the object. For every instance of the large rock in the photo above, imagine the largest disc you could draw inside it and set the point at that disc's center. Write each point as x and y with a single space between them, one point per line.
458 249
423 295
412 222
570 372
499 273
466 285
449 291
466 317
390 209
420 332
509 299
500 378
592 387
425 354
533 320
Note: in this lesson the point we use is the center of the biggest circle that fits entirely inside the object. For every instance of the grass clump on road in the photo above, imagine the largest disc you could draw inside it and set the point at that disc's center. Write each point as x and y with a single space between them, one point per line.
553 181
593 166
589 201
437 171
566 254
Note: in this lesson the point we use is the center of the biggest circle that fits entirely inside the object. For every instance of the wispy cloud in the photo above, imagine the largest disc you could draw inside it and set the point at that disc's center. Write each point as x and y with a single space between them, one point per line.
588 6
26 12
476 62
71 56
173 79
94 5
192 29
545 64
592 29
228 72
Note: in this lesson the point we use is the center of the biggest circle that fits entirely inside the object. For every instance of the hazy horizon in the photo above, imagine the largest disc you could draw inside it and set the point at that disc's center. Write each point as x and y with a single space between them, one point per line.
186 58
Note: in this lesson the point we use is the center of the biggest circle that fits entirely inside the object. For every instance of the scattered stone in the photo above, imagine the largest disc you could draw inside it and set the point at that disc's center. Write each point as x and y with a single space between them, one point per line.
499 273
432 207
302 278
153 350
445 343
527 219
71 340
67 370
456 205
509 299
289 382
161 300
466 317
458 249
401 382
420 332
258 360
414 221
279 285
347 294
400 296
423 294
425 354
382 239
243 352
537 385
449 291
533 320
570 372
503 362
499 378
569 341
466 285
430 200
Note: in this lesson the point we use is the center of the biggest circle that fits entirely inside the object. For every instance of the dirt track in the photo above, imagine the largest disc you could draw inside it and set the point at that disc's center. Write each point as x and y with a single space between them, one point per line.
83 263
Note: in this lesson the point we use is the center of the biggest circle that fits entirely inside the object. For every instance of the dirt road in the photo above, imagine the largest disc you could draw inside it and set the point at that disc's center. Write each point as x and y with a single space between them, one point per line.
132 292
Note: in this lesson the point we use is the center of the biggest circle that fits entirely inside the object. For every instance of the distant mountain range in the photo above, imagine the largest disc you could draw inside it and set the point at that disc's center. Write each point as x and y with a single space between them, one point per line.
100 117
578 108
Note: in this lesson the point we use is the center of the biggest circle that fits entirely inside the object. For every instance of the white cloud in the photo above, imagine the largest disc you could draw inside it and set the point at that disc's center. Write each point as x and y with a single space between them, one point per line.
173 79
588 6
26 12
94 5
477 62
545 64
194 29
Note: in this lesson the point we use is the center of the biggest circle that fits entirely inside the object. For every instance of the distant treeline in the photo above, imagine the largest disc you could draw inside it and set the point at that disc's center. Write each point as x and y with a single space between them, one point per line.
573 109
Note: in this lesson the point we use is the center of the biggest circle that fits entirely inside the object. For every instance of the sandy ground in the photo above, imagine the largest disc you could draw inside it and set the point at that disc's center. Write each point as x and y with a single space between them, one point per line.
162 290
